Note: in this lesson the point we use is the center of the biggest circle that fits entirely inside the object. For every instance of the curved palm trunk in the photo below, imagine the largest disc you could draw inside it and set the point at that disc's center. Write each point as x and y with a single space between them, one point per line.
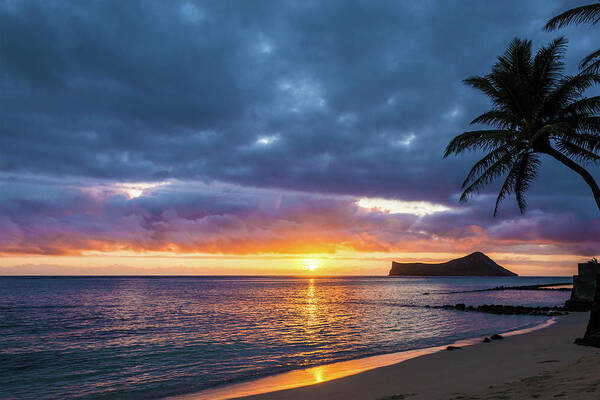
579 169
592 334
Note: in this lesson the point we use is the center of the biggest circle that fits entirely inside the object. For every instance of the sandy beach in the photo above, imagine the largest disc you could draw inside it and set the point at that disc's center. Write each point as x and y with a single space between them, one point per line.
543 364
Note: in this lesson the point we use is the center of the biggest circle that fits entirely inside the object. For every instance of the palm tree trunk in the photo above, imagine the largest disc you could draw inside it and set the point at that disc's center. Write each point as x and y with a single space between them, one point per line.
579 169
592 333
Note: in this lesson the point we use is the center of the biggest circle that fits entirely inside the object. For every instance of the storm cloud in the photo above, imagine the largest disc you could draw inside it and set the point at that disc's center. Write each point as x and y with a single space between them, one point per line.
263 122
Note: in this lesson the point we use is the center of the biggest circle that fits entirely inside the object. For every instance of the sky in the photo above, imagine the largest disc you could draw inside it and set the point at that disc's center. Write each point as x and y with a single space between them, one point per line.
261 137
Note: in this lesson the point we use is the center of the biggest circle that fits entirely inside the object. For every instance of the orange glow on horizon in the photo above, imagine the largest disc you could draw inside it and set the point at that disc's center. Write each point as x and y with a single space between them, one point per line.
341 263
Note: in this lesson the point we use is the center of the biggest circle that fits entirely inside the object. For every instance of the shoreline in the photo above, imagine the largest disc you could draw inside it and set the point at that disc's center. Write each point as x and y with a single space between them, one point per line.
307 377
543 364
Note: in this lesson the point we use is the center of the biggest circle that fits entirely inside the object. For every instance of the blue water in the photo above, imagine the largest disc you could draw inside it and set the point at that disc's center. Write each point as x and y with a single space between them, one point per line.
128 337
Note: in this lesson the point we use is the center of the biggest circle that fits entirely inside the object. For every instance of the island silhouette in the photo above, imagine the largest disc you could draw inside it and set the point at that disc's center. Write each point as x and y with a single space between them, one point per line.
475 264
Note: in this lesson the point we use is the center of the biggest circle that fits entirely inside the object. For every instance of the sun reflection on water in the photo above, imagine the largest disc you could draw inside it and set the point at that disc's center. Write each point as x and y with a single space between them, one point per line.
311 308
318 374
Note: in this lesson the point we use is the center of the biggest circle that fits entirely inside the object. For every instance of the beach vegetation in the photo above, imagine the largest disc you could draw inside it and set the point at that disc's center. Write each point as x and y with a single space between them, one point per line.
537 110
588 14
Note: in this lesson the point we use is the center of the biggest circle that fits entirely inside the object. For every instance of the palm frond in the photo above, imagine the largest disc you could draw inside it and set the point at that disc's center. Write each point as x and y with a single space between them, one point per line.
497 118
586 141
510 93
517 57
579 108
477 140
526 172
485 163
497 168
578 15
587 125
593 66
507 187
547 65
590 62
579 153
567 90
483 84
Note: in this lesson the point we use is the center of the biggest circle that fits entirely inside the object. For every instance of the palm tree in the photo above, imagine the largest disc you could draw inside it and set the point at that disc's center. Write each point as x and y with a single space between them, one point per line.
580 15
536 110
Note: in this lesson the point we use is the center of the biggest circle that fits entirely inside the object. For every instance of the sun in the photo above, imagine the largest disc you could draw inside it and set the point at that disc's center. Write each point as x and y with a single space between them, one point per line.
311 265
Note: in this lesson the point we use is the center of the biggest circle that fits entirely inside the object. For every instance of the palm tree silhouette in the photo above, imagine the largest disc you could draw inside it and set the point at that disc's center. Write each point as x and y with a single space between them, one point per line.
580 15
537 109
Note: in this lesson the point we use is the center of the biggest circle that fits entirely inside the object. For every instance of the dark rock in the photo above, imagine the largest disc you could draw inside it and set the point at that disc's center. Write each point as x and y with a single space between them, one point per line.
544 286
496 337
449 348
475 264
507 310
578 305
486 340
556 313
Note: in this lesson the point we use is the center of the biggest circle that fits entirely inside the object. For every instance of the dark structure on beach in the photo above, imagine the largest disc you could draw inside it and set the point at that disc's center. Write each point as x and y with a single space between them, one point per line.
592 333
586 296
584 286
475 264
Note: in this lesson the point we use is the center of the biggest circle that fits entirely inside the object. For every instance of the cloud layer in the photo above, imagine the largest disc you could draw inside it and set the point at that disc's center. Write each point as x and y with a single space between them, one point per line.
269 120
226 219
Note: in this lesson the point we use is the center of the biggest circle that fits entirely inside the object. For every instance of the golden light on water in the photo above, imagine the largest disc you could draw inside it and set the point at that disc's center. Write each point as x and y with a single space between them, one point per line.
318 374
304 377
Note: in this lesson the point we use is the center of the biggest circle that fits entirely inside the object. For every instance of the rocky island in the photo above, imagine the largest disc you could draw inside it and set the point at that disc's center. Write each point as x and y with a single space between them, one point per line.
475 264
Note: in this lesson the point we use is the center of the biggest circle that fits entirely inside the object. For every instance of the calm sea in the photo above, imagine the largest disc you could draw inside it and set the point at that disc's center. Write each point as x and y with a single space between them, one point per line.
99 338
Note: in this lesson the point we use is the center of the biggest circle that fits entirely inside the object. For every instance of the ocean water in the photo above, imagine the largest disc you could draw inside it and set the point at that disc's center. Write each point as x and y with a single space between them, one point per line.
151 337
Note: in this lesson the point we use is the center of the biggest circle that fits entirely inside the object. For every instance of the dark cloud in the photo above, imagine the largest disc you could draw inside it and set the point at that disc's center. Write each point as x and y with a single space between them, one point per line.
226 219
344 98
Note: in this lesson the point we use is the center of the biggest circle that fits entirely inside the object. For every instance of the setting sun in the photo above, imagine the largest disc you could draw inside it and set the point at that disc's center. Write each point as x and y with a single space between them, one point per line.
311 265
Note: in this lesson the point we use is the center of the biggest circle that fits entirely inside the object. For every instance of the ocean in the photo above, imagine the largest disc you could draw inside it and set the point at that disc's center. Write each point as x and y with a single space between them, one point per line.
153 337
